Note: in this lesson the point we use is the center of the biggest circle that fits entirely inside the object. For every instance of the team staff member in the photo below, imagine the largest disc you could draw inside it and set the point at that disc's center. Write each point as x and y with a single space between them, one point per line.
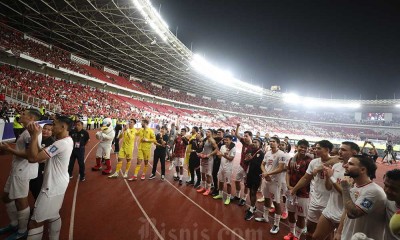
196 146
96 123
160 152
16 190
254 158
147 137
55 182
118 130
128 135
80 138
47 139
219 139
17 127
89 123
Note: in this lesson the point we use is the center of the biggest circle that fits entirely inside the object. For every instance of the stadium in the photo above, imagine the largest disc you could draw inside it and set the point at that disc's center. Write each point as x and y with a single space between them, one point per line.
100 59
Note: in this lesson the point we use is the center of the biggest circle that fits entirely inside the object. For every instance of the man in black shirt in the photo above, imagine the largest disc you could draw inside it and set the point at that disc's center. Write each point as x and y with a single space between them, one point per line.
80 138
196 146
254 158
118 131
219 139
289 147
35 185
160 152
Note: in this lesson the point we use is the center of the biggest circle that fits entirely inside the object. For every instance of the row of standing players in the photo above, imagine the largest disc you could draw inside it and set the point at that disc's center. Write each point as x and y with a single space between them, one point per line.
315 188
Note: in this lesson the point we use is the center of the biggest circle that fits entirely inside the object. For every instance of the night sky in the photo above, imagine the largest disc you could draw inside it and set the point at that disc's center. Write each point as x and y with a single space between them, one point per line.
313 48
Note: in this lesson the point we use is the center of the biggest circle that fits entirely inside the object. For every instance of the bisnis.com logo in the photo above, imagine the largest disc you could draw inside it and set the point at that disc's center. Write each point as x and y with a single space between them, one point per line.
146 232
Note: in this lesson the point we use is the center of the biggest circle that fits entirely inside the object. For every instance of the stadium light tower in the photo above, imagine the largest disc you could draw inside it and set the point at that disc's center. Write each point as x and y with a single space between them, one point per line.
152 17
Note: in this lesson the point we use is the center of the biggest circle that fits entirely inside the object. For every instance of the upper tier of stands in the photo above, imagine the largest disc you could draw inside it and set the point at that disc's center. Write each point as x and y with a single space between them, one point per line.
15 41
74 98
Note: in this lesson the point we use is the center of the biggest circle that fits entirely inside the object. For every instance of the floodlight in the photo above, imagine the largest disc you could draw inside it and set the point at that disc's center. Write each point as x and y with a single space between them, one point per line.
150 21
310 102
222 76
291 98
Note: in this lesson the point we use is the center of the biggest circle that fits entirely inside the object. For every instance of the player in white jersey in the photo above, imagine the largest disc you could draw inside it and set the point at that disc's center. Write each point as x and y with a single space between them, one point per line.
364 203
206 164
392 190
55 178
273 165
242 169
315 177
16 190
283 146
331 215
227 154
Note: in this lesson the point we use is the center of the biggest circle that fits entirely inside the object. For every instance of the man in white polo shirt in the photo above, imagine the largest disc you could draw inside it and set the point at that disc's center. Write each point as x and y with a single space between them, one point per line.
55 178
16 190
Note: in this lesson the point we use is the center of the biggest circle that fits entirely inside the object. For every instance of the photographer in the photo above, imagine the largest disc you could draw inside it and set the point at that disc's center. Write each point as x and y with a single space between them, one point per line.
372 152
389 153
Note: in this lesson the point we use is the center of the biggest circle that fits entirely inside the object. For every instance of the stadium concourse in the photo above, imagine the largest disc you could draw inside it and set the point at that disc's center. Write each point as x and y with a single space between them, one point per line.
102 208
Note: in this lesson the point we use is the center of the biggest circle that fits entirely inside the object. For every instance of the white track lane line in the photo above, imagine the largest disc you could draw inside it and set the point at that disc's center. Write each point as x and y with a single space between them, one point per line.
72 219
201 208
143 211
257 210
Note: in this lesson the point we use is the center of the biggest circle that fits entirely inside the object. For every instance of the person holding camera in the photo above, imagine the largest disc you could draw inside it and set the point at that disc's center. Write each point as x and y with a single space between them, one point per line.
389 153
372 152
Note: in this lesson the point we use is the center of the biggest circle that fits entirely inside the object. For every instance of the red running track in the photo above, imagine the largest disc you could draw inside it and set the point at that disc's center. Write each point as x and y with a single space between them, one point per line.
102 208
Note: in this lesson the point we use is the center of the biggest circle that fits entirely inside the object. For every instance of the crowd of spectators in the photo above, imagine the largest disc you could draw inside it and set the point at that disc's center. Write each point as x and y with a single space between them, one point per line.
74 98
17 43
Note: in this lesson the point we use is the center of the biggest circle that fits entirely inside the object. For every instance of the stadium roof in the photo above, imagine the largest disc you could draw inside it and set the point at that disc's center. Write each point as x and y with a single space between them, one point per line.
129 36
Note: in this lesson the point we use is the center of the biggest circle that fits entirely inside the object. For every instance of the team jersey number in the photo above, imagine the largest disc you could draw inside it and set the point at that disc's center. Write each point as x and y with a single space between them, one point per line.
300 209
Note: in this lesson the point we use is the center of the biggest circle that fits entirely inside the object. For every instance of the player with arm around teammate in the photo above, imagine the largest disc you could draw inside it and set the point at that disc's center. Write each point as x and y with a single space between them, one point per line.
55 178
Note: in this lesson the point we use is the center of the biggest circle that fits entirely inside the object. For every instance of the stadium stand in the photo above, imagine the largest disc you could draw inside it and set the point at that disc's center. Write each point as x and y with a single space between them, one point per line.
86 99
